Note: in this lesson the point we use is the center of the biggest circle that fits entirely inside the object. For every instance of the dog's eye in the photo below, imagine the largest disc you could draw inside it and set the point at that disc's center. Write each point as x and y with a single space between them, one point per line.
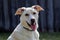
26 14
34 13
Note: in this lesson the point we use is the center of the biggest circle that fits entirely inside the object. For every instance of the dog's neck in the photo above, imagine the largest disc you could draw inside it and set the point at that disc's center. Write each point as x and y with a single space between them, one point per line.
28 29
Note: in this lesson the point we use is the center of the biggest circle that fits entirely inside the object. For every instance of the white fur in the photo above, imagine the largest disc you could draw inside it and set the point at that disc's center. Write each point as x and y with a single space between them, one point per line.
22 34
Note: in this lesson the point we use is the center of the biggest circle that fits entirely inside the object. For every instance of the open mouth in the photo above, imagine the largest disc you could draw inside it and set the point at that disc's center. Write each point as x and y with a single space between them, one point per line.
32 25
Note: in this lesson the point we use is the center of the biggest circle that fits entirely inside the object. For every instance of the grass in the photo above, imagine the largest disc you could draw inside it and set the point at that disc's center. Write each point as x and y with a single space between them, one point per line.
50 36
4 36
43 36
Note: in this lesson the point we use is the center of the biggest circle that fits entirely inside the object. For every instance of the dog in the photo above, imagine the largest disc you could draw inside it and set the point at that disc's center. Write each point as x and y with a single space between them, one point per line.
27 28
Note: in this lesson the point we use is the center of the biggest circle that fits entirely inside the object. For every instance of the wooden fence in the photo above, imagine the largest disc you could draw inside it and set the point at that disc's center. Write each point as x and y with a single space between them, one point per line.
49 20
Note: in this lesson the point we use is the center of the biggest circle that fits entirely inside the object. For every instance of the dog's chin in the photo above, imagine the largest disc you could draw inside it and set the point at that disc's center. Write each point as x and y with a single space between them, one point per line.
32 26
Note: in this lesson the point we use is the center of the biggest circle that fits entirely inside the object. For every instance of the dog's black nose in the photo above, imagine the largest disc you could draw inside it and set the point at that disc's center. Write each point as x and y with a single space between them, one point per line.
32 20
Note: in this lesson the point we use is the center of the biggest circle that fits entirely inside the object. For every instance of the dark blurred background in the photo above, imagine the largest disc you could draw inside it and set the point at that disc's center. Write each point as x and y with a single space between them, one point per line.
49 20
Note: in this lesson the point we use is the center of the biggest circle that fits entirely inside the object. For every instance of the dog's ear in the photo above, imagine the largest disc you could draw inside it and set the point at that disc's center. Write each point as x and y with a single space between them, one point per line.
38 8
19 11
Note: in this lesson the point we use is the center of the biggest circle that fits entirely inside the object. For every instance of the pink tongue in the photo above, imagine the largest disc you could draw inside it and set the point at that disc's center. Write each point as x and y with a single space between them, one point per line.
33 27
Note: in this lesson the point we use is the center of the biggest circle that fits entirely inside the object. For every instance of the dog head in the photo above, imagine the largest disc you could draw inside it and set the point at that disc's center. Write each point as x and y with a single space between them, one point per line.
29 16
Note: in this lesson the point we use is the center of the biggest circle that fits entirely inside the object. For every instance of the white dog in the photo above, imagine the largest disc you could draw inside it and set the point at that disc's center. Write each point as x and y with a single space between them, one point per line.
27 28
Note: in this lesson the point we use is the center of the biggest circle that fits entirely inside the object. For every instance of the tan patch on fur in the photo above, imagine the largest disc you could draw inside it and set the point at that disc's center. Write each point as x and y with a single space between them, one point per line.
38 8
19 11
25 25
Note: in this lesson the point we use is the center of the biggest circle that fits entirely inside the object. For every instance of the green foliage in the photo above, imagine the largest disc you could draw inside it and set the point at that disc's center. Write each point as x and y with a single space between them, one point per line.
43 36
4 36
50 36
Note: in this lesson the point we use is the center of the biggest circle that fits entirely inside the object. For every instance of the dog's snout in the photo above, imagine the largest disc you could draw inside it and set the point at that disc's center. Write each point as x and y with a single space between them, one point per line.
32 20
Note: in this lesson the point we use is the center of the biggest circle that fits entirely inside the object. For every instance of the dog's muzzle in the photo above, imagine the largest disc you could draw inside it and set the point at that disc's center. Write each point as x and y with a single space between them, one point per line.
32 25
